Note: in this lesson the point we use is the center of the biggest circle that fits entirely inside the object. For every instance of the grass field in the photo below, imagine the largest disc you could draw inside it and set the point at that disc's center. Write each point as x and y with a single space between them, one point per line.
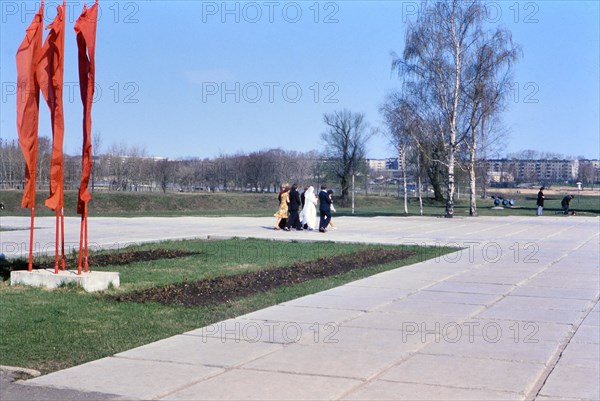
52 330
131 204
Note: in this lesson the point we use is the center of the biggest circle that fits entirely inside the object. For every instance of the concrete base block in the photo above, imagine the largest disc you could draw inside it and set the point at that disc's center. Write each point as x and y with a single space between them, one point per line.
90 282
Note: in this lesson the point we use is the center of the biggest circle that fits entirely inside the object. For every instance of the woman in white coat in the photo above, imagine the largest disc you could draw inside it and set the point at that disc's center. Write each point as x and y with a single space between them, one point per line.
308 216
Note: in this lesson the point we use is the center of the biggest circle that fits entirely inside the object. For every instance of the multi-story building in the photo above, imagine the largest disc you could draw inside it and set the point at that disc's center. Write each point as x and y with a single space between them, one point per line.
521 170
377 164
534 171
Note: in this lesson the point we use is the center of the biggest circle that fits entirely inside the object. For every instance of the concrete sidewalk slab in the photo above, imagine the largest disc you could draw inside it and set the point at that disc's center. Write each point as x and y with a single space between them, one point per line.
421 307
553 292
356 291
472 288
403 321
515 330
492 344
245 384
324 360
302 314
198 350
587 334
520 302
138 379
252 331
396 332
571 382
382 390
532 314
338 302
364 338
455 298
458 371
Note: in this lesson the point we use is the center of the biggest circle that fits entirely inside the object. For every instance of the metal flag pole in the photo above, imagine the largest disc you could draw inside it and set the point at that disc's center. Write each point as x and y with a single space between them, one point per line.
30 267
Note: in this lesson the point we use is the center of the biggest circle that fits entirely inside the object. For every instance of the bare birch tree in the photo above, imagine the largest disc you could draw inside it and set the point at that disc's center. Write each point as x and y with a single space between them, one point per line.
486 82
439 46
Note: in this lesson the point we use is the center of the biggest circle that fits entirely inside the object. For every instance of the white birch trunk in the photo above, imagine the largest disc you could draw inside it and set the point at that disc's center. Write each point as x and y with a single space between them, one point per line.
402 157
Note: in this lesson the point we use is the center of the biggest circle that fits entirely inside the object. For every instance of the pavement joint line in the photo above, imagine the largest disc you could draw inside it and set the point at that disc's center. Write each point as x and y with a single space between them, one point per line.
302 373
128 358
329 308
597 234
514 233
447 386
188 385
555 357
486 229
538 296
379 374
566 228
486 358
240 367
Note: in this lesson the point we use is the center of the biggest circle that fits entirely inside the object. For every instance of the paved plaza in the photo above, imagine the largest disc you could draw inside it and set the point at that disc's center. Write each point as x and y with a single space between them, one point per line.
514 315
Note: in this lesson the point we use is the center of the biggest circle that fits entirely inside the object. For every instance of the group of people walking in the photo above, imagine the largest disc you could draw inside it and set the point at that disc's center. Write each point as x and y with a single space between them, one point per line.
299 211
564 204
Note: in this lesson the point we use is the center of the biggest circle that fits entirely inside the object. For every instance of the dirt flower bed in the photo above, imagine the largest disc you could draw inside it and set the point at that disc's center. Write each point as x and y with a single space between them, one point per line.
228 288
117 258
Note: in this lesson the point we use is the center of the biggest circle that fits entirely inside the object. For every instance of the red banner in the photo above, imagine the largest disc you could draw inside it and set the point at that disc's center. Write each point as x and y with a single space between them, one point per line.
85 28
50 78
28 103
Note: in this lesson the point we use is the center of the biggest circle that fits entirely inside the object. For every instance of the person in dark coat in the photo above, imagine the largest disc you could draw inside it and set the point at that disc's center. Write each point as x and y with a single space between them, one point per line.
324 208
540 202
565 203
294 209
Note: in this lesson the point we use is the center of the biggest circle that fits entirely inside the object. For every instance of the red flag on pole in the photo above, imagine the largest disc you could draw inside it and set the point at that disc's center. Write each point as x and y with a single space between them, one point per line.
85 28
50 78
28 102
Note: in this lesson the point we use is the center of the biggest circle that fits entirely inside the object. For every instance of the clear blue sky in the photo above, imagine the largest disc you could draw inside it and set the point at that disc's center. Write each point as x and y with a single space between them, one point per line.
169 72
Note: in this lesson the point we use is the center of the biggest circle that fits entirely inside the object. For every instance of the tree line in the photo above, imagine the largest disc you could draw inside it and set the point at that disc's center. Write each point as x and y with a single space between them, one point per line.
129 168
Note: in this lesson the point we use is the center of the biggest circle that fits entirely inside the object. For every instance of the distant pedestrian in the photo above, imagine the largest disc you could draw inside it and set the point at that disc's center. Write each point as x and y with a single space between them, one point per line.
282 212
294 209
324 208
540 202
565 204
330 193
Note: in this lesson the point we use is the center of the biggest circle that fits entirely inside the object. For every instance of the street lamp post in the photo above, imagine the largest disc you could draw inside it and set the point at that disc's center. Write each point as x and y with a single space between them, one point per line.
352 193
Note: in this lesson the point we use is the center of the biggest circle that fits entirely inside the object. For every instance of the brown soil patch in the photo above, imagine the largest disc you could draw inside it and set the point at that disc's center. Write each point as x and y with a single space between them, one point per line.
125 258
117 258
228 288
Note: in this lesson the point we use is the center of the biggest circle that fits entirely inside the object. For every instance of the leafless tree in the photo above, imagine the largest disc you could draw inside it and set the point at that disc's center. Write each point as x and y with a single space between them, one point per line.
487 75
441 46
12 173
403 126
345 146
163 173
